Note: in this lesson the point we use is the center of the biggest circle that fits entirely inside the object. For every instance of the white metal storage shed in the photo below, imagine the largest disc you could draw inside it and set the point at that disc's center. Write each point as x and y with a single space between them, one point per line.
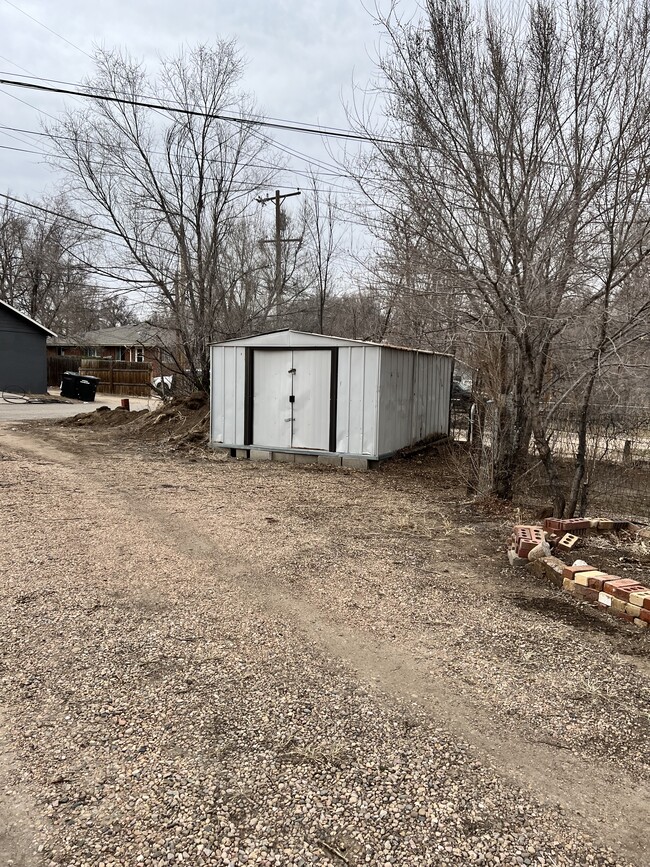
291 393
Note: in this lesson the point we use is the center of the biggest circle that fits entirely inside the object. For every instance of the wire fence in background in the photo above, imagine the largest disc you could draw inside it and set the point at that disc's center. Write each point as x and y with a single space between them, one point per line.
617 470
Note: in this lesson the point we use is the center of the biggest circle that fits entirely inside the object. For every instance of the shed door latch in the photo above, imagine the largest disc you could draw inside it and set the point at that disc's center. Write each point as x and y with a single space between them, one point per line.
293 370
292 398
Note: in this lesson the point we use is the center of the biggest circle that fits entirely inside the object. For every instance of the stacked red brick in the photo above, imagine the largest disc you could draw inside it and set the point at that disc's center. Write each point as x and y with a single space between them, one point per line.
624 597
525 537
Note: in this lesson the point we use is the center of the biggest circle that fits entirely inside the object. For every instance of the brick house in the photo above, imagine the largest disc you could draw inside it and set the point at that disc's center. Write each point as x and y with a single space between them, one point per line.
141 343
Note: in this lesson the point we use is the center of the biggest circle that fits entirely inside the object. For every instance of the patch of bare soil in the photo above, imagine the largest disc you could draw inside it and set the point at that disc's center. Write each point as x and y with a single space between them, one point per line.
18 813
180 422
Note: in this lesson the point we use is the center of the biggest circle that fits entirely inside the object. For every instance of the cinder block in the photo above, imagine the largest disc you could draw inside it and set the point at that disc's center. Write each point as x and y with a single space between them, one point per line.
283 457
568 584
354 462
330 460
605 599
306 459
618 605
641 623
604 525
241 454
632 610
260 455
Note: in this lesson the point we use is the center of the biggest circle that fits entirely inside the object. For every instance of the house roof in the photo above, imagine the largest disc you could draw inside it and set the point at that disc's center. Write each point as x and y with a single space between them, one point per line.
26 318
289 337
121 335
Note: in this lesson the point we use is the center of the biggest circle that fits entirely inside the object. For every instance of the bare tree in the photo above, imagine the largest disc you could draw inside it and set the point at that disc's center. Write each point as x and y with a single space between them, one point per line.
44 269
174 186
521 151
323 239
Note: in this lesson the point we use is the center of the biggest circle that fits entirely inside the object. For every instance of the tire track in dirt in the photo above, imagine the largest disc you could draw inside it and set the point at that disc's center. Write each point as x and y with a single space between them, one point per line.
602 799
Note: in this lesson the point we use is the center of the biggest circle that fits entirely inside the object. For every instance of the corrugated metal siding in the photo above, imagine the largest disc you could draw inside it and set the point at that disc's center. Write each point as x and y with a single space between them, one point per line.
227 404
356 416
414 398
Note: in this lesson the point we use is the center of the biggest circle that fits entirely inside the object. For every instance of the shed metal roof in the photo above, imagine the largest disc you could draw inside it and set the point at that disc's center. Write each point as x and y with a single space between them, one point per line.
291 338
27 318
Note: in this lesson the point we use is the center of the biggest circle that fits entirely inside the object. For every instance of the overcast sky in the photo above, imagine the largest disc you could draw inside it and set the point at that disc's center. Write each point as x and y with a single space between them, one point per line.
302 57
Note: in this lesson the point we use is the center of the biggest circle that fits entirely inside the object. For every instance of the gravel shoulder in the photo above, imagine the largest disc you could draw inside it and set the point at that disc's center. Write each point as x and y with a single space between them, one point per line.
218 662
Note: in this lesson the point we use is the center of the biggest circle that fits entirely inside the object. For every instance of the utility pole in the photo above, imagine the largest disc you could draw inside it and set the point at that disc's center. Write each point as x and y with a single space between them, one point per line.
277 198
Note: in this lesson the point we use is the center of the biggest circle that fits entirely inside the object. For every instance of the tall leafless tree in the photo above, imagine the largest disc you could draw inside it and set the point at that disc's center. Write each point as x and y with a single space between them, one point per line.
520 149
174 186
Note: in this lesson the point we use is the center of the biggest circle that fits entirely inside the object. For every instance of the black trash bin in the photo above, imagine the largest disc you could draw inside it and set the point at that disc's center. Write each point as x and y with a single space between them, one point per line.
87 388
70 384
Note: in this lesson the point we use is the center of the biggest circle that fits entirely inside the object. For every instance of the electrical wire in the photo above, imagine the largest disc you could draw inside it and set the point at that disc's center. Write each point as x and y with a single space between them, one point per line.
325 132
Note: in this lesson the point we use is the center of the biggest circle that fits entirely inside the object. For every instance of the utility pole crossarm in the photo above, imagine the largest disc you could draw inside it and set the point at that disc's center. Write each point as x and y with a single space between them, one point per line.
277 198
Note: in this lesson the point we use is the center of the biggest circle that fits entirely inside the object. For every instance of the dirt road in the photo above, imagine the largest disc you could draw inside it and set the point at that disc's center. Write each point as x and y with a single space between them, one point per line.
216 662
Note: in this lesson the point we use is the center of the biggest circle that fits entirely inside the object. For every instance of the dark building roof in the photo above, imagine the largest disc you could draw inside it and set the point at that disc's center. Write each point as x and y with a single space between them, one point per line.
27 319
121 335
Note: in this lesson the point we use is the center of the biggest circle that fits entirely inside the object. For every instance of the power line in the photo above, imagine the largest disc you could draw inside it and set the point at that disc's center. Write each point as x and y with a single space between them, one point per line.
266 166
193 112
49 29
149 96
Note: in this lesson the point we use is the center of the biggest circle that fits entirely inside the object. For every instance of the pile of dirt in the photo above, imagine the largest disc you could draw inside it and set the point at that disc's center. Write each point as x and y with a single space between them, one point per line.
181 421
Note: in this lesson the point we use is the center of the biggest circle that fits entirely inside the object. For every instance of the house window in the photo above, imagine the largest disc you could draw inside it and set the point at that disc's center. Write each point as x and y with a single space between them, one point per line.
91 352
119 353
139 353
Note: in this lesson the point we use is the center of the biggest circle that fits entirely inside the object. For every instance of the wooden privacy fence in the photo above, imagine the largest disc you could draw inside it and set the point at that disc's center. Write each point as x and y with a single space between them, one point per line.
57 366
119 377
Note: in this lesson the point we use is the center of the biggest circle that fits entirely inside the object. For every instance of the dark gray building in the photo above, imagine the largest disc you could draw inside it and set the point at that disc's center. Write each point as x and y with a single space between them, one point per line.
23 353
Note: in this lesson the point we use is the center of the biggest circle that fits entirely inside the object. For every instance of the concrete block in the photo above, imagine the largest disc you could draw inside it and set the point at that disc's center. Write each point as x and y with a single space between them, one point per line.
284 457
632 610
355 463
605 599
330 460
260 455
618 605
641 623
306 459
583 577
568 584
241 454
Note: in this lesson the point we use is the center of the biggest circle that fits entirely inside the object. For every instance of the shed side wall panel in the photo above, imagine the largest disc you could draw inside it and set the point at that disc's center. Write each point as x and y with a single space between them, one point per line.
414 398
227 404
356 417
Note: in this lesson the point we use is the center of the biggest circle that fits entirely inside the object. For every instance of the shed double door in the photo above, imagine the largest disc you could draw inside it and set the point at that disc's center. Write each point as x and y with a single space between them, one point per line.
291 398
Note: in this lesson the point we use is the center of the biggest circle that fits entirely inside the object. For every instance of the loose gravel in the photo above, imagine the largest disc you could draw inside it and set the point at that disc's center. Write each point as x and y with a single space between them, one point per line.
164 710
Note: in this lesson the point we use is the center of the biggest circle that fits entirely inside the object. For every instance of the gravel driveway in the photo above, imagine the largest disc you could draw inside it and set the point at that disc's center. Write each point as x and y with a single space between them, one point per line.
217 662
15 408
